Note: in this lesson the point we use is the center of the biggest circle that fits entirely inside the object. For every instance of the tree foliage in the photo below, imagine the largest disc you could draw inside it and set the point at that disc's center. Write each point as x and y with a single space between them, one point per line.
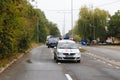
53 29
20 23
44 27
91 23
14 20
114 25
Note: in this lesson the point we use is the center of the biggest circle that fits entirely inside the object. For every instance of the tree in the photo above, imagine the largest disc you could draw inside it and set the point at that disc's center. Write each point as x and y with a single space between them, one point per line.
16 26
19 23
44 27
41 26
91 24
114 25
53 29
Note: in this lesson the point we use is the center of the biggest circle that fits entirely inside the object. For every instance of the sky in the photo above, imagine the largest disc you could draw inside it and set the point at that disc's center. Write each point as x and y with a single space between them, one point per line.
59 11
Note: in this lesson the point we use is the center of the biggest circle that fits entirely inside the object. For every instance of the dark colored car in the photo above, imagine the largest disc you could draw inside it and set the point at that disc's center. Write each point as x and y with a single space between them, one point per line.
52 42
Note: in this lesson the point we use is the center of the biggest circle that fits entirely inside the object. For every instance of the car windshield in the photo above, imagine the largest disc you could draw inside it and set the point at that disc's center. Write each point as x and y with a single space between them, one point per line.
67 46
53 40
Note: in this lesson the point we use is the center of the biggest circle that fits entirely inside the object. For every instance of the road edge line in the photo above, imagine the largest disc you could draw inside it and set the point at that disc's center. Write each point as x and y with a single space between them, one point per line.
9 64
68 77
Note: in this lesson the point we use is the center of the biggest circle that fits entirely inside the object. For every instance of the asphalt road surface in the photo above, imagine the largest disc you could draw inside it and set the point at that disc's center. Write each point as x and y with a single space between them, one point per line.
39 65
112 55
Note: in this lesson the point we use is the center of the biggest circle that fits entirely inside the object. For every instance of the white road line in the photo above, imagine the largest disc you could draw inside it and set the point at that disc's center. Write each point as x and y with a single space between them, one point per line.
104 62
68 77
117 67
1 70
109 64
99 60
59 63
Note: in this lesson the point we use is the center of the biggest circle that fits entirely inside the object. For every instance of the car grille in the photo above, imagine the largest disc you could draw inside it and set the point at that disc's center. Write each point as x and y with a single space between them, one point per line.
52 44
69 58
67 54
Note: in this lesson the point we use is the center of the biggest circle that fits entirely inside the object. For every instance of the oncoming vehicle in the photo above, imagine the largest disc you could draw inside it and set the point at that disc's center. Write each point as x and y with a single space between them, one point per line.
67 50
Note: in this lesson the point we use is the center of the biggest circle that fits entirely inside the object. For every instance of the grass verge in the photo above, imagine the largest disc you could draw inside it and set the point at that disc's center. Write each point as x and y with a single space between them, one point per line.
6 61
82 50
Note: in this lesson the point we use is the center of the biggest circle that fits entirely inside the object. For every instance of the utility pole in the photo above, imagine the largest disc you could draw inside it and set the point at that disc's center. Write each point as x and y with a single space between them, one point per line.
37 35
93 24
64 25
72 16
63 31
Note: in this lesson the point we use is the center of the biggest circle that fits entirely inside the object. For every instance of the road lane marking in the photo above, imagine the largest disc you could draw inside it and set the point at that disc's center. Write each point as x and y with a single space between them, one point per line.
68 77
99 60
117 67
59 63
109 64
104 62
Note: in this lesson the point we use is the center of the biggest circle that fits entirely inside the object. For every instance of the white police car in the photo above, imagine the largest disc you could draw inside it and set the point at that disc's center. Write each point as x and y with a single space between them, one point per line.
67 50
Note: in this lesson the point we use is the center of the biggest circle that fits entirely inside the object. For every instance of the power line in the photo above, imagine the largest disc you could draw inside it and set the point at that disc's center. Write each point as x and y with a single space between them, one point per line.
61 10
106 4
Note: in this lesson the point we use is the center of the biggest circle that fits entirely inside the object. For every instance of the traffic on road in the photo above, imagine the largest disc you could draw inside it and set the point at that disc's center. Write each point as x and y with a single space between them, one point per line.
43 67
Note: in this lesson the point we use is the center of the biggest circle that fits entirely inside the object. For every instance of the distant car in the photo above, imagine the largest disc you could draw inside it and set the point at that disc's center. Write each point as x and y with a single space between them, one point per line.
52 42
67 50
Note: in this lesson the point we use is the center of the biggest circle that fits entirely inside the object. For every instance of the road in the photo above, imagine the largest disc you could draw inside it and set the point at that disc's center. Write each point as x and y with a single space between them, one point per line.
111 55
39 65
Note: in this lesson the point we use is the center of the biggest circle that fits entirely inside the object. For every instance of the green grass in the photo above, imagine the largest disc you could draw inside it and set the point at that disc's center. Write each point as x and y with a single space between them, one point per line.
6 61
82 50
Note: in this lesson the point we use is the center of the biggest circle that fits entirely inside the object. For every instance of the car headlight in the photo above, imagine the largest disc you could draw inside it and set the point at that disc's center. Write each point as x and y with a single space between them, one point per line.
78 54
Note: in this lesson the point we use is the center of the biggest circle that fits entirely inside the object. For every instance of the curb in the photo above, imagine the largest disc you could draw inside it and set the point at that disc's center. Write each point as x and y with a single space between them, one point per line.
14 60
9 64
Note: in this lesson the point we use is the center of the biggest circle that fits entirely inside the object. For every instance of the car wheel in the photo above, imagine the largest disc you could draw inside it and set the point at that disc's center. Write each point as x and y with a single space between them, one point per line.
48 46
54 58
57 60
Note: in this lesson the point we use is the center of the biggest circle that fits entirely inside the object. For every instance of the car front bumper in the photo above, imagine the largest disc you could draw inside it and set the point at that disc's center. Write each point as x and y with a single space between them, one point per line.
68 58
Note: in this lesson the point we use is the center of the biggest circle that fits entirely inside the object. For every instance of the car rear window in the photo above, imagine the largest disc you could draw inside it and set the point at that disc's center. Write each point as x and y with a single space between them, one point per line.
53 40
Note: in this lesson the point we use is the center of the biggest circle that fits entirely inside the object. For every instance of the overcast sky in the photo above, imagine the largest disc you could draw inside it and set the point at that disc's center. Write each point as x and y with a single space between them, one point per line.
55 9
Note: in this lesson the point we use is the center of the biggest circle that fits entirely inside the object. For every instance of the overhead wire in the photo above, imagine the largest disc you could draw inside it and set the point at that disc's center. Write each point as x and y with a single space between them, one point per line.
101 5
106 4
